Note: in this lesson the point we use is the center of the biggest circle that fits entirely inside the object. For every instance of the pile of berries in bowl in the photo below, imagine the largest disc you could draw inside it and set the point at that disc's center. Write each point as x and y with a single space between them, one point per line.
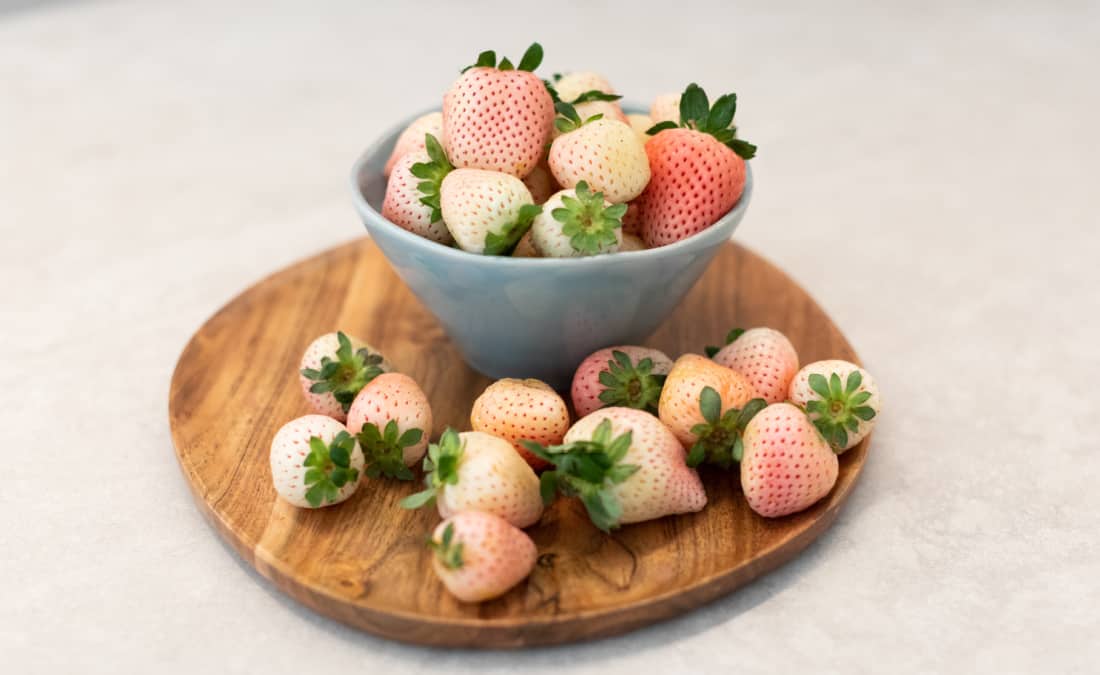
519 184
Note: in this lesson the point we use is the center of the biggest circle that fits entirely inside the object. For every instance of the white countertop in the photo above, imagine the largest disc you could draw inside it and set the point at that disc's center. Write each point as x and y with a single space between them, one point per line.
929 173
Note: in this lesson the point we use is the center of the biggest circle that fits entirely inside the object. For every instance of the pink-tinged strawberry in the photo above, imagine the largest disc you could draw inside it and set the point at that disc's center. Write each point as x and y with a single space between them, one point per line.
479 556
640 124
665 108
840 398
591 104
698 169
787 466
572 86
412 138
625 466
623 376
412 202
679 408
333 371
578 222
391 419
540 183
518 410
631 242
476 471
498 118
487 212
764 355
718 438
315 462
526 248
604 153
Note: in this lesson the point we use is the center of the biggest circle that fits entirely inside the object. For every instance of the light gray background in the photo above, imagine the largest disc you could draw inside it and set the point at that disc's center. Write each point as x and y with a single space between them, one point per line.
929 172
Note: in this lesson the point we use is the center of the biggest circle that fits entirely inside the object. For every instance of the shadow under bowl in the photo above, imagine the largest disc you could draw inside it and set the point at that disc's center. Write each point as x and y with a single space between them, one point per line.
536 317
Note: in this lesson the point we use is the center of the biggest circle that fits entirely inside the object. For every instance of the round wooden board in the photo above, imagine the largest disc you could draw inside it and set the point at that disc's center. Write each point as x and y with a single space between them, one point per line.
364 562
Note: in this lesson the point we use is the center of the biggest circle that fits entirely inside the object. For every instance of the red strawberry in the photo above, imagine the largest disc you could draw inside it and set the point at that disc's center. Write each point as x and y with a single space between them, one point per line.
392 420
625 466
841 398
413 203
765 356
412 138
698 171
498 118
604 153
479 556
476 471
517 410
576 223
487 212
787 466
315 462
679 407
334 369
625 376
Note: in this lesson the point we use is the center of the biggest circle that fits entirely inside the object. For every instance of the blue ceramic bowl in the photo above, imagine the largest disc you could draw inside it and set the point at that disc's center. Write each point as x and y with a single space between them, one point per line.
536 317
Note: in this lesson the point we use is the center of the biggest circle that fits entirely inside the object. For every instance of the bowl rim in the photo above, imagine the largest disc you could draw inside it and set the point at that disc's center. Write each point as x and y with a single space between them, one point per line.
720 231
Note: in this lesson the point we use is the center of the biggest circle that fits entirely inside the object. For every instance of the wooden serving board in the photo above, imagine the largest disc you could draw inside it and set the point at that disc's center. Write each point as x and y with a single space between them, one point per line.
364 562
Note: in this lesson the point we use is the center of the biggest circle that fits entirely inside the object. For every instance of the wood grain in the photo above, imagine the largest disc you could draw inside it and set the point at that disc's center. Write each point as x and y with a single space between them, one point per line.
364 562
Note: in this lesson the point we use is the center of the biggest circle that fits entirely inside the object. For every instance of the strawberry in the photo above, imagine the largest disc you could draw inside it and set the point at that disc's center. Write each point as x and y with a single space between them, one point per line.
413 204
840 398
605 153
540 183
595 103
526 248
333 371
576 223
786 466
665 108
477 471
640 124
518 410
391 419
679 406
572 86
624 376
498 118
486 211
315 462
698 171
479 556
631 242
412 138
630 219
764 355
625 466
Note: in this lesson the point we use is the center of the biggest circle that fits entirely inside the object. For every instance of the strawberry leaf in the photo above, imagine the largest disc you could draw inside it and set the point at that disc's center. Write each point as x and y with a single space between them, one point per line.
840 406
346 374
532 58
661 126
447 549
718 438
595 95
432 174
504 242
329 468
694 107
591 227
384 450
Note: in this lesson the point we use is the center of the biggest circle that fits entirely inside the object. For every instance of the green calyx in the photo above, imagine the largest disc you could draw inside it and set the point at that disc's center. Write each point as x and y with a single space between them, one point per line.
697 113
840 408
590 225
631 385
431 175
345 375
440 468
718 438
735 333
328 468
588 470
531 60
569 119
504 242
384 449
595 95
447 549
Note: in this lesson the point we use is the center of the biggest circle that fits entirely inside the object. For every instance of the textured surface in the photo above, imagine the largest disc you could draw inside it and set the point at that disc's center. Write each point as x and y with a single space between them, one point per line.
366 563
157 157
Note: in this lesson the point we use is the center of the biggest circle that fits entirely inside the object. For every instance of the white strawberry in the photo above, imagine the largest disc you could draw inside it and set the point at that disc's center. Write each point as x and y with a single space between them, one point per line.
487 212
412 138
607 154
333 371
572 85
315 462
625 466
840 398
665 108
476 471
412 202
479 556
640 124
576 223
